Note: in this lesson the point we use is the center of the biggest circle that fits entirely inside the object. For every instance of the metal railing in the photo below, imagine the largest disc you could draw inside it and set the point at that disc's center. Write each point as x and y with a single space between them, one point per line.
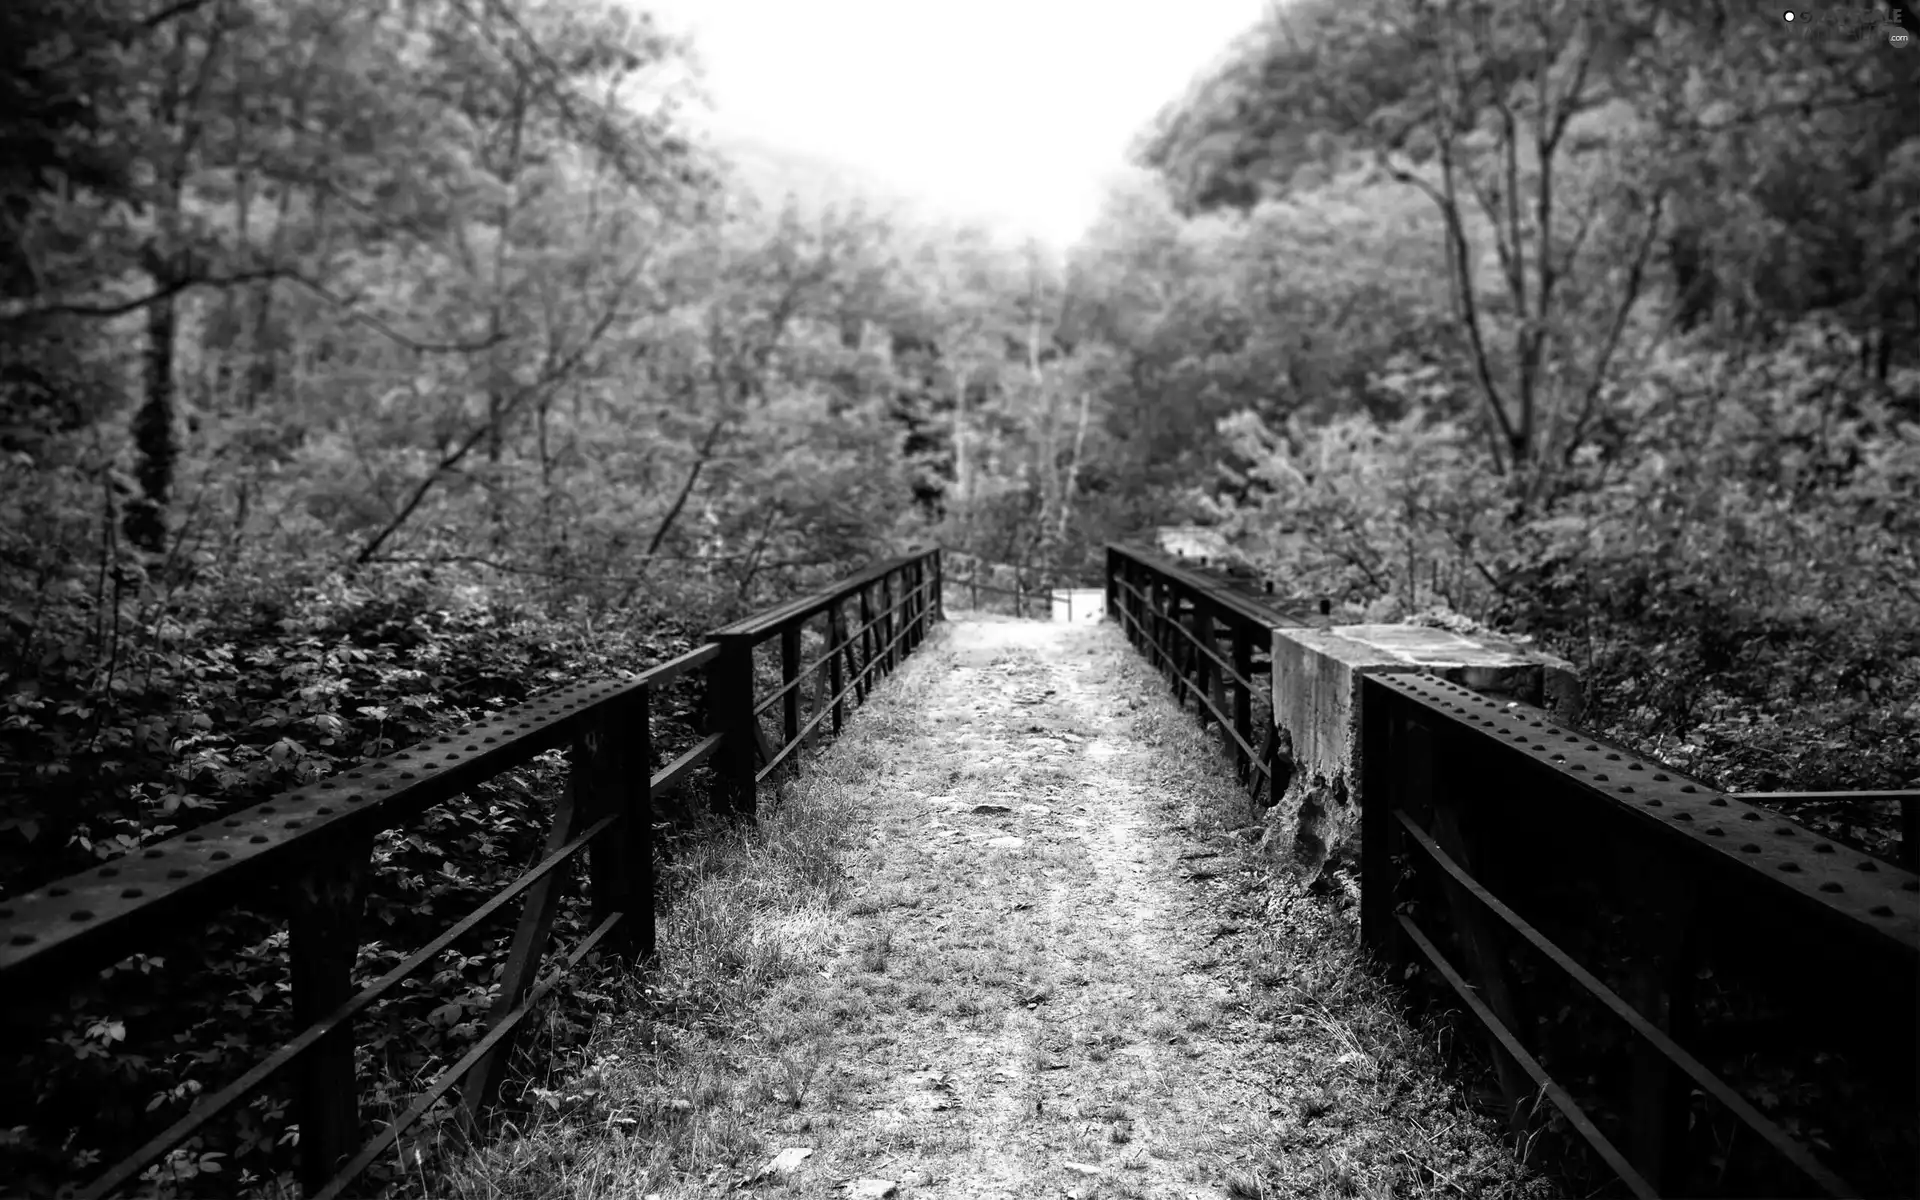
1488 825
977 575
1179 618
1544 860
318 841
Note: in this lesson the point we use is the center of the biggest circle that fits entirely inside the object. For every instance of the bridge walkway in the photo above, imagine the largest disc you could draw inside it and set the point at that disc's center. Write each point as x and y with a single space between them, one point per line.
1061 972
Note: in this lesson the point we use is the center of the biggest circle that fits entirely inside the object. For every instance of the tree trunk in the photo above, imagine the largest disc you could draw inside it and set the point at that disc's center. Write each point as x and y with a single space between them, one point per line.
1073 469
962 488
154 436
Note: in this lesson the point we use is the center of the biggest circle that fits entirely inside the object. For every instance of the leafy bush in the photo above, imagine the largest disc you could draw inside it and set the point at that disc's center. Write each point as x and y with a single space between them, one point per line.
1731 561
170 705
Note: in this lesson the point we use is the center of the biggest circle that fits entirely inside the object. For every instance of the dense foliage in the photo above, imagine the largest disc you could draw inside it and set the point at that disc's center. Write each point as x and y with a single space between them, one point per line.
1661 403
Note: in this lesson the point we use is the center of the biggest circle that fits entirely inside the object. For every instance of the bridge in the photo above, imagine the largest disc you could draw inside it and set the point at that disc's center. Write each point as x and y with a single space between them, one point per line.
1633 947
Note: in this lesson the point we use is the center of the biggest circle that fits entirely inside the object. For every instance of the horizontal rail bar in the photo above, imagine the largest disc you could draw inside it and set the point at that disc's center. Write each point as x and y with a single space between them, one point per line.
1707 1081
660 676
260 1073
762 625
780 693
452 1075
961 581
675 773
1562 1100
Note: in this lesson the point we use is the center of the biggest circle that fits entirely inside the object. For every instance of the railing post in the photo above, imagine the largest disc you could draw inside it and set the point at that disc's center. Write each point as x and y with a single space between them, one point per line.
620 862
916 604
1242 696
1130 572
1156 616
928 596
789 674
1383 790
1112 582
836 634
865 674
730 712
1204 675
939 585
638 841
323 937
891 652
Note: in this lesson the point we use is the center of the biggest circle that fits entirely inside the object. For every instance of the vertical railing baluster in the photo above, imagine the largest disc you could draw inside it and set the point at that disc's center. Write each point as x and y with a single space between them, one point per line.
1130 572
836 634
1156 604
1382 787
865 674
730 713
910 583
889 648
621 859
789 675
323 939
639 831
1242 696
1204 676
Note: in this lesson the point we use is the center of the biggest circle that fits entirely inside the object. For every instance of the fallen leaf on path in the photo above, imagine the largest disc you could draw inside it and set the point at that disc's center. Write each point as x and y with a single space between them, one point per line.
988 810
783 1165
872 1189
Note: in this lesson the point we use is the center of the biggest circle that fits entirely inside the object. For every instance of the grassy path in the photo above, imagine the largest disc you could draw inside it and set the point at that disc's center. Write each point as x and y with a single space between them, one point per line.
1041 963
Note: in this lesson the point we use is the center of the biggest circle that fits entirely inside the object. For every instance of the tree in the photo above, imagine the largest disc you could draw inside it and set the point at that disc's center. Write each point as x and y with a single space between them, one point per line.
1562 144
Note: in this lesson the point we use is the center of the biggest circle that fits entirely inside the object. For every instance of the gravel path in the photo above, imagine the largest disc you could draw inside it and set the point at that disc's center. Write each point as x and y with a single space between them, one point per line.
1057 1030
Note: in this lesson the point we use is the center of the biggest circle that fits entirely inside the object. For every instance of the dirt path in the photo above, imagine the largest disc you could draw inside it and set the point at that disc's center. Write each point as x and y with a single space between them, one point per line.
1000 940
1042 933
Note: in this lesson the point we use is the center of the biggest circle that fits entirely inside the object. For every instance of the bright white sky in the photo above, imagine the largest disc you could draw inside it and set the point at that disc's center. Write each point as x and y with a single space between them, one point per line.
1013 111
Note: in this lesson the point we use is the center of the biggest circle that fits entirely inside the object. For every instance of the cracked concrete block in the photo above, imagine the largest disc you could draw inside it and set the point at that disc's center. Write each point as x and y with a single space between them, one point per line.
1316 704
